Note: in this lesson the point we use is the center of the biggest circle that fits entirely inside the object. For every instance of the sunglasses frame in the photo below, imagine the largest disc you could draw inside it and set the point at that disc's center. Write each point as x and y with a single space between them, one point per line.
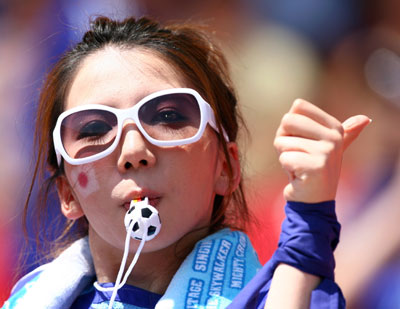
206 117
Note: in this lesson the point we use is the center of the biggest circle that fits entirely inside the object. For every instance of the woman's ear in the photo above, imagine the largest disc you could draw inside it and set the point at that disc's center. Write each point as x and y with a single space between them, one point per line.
70 206
222 184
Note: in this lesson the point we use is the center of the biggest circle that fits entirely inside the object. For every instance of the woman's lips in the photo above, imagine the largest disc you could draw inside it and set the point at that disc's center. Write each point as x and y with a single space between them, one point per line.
153 201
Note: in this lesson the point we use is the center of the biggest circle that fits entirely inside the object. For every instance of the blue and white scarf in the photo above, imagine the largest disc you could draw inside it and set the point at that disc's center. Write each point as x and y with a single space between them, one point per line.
215 271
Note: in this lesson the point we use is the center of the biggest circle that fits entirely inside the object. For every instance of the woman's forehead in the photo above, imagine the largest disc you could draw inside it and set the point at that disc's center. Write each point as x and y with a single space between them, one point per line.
121 73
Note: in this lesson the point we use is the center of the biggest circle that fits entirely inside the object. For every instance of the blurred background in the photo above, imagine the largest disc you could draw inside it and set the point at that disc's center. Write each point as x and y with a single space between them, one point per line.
342 55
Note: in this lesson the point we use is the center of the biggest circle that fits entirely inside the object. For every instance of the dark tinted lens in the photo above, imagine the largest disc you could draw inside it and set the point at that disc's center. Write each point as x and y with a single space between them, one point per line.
171 117
88 132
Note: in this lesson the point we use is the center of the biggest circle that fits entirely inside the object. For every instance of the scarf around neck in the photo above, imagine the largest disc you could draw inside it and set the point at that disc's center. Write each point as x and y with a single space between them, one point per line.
216 270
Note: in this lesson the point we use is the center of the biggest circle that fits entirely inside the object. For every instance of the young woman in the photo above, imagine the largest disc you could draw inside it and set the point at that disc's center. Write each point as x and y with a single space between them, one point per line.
138 114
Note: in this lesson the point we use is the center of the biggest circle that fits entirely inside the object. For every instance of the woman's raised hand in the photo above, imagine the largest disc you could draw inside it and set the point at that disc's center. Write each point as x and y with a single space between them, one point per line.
310 143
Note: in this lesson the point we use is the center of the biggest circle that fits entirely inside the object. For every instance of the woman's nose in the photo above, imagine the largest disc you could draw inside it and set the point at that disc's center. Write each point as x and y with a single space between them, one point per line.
135 152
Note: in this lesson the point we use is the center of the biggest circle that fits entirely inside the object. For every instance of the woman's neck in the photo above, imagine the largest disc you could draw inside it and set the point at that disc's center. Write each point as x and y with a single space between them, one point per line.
153 271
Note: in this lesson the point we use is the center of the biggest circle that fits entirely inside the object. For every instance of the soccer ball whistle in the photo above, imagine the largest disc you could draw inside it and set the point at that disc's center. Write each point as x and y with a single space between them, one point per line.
142 220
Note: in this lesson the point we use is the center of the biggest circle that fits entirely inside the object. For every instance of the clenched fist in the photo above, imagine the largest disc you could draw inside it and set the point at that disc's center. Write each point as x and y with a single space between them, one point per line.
310 143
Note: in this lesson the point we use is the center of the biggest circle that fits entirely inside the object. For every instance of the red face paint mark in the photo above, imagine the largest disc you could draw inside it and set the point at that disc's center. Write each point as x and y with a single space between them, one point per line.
83 179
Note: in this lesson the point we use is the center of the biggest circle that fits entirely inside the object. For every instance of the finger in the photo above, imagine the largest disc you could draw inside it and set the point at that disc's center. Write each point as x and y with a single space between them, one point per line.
294 143
352 127
297 162
303 126
308 109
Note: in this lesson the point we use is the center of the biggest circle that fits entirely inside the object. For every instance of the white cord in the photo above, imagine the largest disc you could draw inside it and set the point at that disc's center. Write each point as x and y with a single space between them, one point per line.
133 263
119 284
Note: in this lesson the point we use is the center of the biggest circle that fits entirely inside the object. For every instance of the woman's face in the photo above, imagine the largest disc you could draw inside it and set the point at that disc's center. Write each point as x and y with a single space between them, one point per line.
180 181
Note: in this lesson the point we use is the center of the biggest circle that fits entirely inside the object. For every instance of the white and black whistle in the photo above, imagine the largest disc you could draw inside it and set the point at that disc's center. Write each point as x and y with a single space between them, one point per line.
142 219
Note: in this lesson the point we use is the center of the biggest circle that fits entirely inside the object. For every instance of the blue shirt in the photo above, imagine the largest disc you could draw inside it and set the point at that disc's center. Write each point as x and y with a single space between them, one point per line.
130 296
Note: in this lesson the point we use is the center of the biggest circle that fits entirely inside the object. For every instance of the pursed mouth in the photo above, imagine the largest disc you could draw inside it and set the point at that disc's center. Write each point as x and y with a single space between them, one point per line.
153 201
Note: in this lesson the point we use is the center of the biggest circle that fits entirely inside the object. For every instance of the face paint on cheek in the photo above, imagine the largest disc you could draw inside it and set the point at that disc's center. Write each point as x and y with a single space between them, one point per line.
85 179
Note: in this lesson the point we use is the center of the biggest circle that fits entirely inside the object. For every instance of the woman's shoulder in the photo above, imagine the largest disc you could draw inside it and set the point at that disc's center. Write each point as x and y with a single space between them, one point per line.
28 279
55 283
23 285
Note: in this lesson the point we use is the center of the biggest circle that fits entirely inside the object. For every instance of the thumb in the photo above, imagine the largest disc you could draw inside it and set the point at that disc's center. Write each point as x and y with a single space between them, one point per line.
353 127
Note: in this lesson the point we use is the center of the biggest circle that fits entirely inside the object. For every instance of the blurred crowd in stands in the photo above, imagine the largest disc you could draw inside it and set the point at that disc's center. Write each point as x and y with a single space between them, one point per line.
342 55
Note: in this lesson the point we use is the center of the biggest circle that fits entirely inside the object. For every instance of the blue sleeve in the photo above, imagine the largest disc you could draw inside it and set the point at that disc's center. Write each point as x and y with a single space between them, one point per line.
310 233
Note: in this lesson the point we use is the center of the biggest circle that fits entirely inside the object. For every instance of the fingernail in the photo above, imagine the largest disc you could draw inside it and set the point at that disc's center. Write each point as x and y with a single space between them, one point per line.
353 121
349 123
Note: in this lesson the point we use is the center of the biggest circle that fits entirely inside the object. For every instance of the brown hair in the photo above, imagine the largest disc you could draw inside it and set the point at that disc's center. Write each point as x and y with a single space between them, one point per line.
190 51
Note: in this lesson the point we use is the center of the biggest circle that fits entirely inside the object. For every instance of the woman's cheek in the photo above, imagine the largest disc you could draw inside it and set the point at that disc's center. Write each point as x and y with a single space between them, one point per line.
84 179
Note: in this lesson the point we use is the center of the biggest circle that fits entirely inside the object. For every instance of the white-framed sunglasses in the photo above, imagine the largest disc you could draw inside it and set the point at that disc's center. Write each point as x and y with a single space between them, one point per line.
171 117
